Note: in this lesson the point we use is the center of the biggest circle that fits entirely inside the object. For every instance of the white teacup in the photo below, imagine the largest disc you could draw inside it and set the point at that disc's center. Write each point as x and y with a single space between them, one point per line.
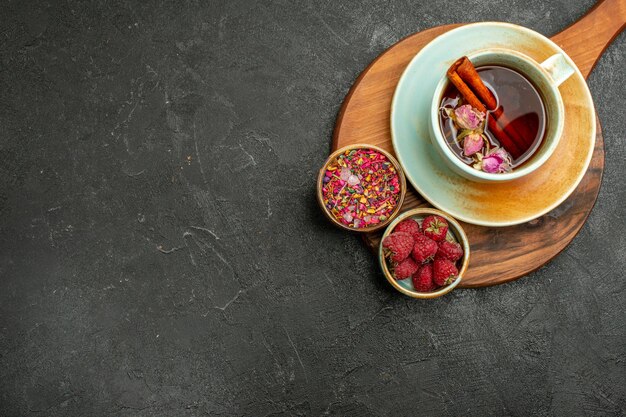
546 77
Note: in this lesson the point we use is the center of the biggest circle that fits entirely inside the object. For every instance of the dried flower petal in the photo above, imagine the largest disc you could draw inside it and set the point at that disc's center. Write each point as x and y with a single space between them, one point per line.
345 174
466 117
491 164
360 188
497 160
473 143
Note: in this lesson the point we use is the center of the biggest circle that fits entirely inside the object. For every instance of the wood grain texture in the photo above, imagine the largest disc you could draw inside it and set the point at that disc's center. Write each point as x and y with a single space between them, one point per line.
503 254
586 39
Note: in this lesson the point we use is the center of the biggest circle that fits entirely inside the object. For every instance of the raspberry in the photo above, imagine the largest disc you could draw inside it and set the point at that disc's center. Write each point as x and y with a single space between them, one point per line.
399 245
449 250
444 272
424 249
423 279
409 226
405 269
435 227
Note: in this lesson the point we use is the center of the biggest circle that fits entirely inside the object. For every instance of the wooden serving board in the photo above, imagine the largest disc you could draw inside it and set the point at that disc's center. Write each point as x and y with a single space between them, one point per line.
499 254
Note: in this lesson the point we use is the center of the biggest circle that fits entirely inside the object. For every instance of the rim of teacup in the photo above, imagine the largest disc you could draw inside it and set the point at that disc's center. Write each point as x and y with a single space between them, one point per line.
535 161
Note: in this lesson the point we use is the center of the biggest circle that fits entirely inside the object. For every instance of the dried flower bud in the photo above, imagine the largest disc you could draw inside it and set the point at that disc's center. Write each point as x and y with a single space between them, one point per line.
473 143
467 117
496 160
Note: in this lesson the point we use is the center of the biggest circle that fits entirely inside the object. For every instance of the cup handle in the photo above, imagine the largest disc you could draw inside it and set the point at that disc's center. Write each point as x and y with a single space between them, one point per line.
559 68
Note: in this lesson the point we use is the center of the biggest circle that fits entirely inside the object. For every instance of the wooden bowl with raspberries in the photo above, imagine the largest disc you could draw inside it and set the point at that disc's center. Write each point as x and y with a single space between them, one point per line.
424 253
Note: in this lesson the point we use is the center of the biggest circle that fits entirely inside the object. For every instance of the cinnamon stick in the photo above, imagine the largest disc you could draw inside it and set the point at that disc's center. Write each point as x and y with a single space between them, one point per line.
465 91
468 73
505 140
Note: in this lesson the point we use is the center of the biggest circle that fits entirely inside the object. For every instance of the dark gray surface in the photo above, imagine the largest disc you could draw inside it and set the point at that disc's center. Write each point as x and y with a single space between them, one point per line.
162 252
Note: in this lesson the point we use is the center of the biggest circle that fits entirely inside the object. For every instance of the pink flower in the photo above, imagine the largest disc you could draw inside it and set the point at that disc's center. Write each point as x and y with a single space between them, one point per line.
468 117
472 143
497 160
491 164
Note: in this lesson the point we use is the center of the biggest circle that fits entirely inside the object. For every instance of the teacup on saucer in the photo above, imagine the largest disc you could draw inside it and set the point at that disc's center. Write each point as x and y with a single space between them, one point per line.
518 200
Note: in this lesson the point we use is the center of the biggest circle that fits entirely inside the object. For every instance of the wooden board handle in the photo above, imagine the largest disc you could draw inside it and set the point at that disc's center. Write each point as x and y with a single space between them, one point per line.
586 40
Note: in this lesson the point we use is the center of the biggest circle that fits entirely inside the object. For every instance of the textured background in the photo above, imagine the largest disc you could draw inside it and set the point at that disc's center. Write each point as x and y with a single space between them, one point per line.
161 251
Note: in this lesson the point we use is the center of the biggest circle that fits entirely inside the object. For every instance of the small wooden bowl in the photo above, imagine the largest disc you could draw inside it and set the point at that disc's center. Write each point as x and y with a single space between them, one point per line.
320 184
406 286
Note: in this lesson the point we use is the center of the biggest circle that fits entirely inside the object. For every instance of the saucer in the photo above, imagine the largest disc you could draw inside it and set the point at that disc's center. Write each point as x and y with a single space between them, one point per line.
506 204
